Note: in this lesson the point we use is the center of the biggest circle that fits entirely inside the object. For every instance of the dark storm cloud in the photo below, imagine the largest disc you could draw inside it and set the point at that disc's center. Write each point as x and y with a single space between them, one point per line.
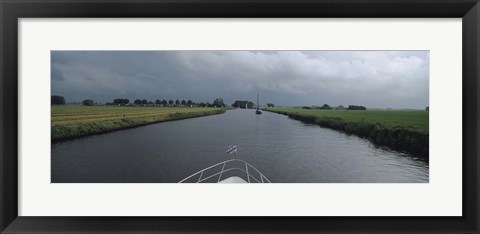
397 79
89 78
57 75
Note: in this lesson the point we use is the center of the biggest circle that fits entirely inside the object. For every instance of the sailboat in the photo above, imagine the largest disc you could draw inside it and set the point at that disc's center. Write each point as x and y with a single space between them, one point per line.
258 112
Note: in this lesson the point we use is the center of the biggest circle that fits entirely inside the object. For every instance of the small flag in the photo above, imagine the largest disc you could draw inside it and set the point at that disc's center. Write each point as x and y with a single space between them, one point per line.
232 149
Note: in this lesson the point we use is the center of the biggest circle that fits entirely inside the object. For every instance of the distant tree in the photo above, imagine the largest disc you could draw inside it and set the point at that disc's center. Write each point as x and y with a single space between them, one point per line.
150 103
177 102
201 104
137 102
164 102
57 100
170 102
87 102
239 104
184 103
270 105
189 102
236 104
121 101
353 107
158 102
306 107
243 104
218 102
325 107
144 102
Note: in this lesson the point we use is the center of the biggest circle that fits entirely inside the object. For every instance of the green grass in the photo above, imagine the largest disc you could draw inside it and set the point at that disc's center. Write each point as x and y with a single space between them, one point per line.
72 121
400 130
413 120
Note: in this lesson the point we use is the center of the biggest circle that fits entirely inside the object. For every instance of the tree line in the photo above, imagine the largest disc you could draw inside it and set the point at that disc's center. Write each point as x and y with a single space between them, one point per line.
218 102
247 104
328 107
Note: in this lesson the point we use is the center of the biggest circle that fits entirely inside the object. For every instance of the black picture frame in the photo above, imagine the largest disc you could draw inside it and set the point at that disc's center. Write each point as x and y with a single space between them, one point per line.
11 11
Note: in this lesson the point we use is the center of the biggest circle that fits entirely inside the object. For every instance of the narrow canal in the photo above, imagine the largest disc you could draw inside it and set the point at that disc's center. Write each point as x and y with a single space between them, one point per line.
284 150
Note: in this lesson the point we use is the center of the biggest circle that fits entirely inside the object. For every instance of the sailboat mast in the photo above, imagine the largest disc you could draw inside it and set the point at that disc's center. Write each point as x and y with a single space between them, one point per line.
258 103
258 112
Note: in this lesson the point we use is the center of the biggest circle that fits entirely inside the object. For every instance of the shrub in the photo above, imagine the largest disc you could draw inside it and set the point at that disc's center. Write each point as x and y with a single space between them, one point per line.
58 100
88 102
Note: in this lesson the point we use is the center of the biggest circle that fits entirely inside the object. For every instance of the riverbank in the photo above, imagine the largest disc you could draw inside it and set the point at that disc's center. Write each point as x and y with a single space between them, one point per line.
73 121
405 131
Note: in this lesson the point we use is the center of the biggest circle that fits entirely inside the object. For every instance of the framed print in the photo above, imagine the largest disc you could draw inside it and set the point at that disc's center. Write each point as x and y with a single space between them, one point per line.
268 116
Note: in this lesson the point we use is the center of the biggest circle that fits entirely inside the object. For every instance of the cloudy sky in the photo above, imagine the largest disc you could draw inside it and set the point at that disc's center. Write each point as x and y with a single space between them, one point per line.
375 79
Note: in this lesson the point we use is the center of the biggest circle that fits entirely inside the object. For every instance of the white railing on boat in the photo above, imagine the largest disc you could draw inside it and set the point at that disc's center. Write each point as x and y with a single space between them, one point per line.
244 169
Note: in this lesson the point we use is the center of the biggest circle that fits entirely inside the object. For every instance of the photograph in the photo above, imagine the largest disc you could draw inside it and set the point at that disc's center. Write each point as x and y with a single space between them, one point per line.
238 116
275 116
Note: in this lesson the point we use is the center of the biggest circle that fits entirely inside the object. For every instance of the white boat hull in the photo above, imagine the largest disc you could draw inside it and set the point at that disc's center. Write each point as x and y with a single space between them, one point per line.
233 179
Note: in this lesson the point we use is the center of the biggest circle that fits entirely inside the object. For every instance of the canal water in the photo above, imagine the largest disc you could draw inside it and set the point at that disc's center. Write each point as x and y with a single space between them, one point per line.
284 150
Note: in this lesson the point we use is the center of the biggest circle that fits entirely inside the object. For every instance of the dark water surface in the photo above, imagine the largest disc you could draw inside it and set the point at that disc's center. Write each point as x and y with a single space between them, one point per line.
284 150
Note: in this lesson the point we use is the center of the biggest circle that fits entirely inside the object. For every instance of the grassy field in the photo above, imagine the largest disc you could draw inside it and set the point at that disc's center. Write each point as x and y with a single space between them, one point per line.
400 130
72 121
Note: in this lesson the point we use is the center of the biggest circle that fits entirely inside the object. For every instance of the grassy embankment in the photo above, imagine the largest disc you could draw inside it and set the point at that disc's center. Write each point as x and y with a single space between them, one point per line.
72 121
399 130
